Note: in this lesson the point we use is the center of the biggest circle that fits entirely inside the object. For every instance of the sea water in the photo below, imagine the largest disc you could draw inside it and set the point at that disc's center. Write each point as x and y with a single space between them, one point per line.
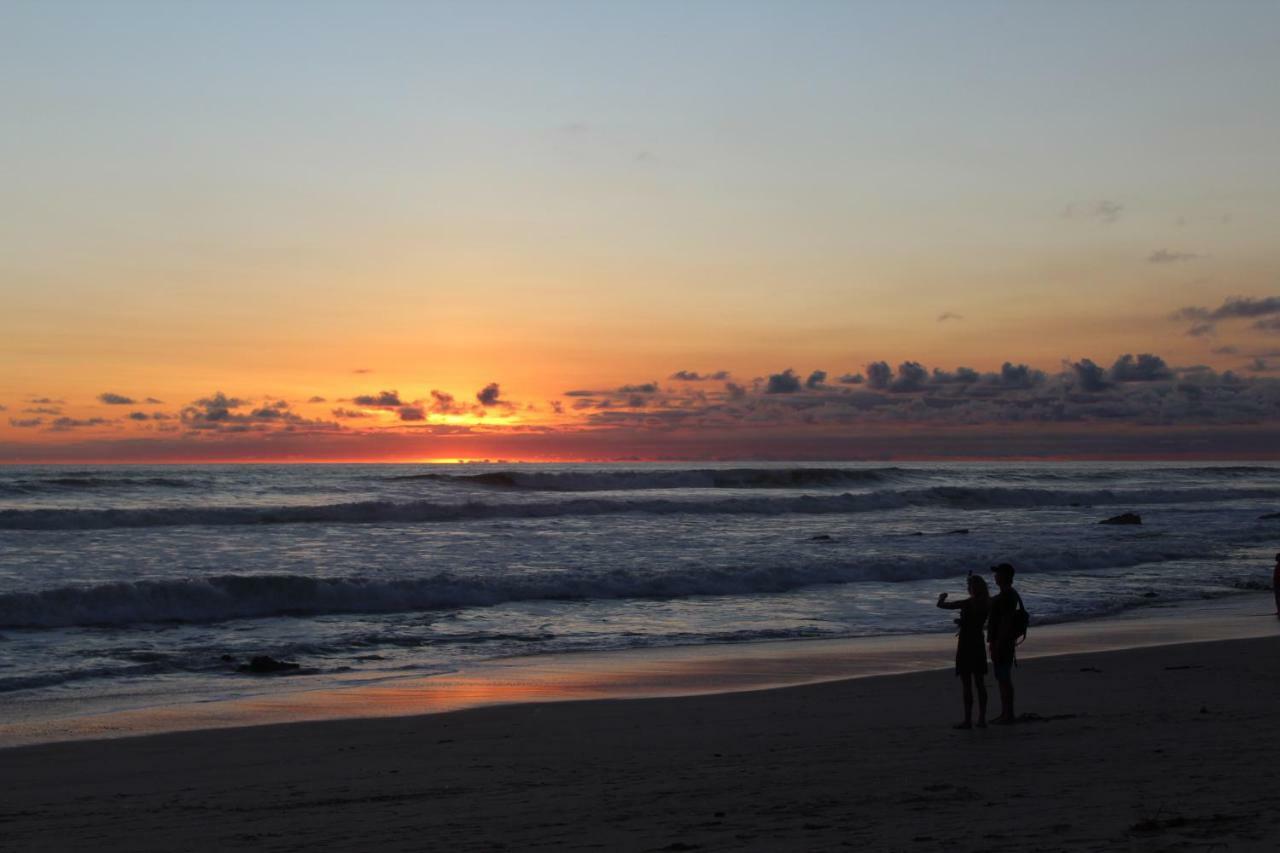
126 586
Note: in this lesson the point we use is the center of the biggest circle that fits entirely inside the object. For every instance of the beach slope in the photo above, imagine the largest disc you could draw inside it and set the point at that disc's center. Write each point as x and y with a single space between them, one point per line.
1165 748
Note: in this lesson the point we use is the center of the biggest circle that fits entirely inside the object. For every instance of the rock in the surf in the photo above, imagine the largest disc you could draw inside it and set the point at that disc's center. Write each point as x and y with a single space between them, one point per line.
265 665
1123 518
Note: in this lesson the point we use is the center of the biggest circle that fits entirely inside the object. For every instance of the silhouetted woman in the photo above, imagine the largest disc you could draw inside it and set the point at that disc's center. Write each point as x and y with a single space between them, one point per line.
971 650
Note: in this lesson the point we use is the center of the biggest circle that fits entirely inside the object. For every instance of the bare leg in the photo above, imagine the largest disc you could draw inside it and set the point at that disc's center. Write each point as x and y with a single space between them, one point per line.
982 700
1006 699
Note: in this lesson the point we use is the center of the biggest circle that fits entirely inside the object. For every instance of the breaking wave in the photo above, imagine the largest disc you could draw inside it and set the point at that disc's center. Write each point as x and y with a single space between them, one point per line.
223 597
390 512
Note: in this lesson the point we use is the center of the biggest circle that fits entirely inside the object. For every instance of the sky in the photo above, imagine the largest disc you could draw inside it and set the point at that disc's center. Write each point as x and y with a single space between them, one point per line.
542 230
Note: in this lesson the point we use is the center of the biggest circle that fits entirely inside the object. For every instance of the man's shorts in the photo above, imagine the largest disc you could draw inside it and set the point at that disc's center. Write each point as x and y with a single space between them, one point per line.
1003 669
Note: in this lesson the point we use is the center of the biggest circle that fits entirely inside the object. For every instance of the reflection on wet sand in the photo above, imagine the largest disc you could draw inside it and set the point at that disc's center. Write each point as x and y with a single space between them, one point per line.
680 671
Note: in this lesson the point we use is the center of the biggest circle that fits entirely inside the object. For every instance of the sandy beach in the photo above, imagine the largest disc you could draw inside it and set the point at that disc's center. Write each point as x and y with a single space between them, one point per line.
1160 748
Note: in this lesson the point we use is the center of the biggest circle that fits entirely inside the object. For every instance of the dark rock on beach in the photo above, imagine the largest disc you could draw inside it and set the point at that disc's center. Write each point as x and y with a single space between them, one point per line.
963 531
265 665
1123 518
821 537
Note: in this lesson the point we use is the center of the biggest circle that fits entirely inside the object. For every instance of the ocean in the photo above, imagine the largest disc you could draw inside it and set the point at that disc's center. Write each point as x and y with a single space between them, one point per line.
131 586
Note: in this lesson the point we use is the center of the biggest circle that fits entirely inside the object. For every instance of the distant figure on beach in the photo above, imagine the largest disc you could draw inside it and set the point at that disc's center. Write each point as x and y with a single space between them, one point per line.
971 654
1275 583
1005 626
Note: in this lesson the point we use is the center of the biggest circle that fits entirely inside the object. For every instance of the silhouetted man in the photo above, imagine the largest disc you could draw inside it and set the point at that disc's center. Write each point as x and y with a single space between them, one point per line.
1005 626
1275 584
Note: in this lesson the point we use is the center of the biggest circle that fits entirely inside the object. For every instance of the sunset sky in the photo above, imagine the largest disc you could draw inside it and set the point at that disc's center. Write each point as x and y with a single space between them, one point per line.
411 231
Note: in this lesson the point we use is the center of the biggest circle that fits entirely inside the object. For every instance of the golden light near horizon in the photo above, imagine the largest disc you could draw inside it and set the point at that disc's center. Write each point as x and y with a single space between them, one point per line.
784 192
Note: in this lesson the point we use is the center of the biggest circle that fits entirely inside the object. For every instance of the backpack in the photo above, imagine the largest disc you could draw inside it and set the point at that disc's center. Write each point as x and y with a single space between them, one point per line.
1021 621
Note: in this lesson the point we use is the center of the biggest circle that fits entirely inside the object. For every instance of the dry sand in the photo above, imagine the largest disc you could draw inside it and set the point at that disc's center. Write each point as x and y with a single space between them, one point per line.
1166 748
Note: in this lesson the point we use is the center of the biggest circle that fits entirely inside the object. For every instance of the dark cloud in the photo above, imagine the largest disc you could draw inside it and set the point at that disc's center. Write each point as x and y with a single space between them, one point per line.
60 424
557 407
362 370
139 416
116 399
1142 368
218 413
785 382
383 399
962 376
443 403
316 399
349 414
411 413
1164 256
489 395
911 377
43 410
152 401
47 401
949 315
817 379
644 388
1090 376
693 376
25 423
879 375
1267 324
1225 350
851 379
1018 376
1234 308
734 391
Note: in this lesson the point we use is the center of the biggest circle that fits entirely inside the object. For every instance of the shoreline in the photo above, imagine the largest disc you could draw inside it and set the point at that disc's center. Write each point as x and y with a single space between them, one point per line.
1149 748
662 672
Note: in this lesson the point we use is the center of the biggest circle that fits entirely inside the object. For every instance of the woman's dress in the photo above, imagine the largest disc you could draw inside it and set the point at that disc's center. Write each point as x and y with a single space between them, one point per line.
971 649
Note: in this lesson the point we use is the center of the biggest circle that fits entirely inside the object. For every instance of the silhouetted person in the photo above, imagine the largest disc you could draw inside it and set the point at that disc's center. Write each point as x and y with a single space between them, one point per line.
1275 583
971 653
1004 628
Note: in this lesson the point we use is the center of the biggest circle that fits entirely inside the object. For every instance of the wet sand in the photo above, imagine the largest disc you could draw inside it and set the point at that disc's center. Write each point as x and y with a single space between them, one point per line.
633 674
1161 748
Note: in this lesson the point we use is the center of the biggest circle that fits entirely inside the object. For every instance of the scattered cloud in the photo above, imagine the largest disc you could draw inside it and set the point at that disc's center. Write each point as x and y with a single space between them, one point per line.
785 382
1144 367
25 423
411 413
362 370
643 388
350 414
116 399
1164 256
489 395
43 410
694 376
816 379
1204 320
949 315
316 399
153 401
76 423
383 400
1103 211
851 379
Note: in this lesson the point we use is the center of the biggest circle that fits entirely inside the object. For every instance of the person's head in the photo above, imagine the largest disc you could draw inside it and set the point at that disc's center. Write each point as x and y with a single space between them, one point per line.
1004 575
978 587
